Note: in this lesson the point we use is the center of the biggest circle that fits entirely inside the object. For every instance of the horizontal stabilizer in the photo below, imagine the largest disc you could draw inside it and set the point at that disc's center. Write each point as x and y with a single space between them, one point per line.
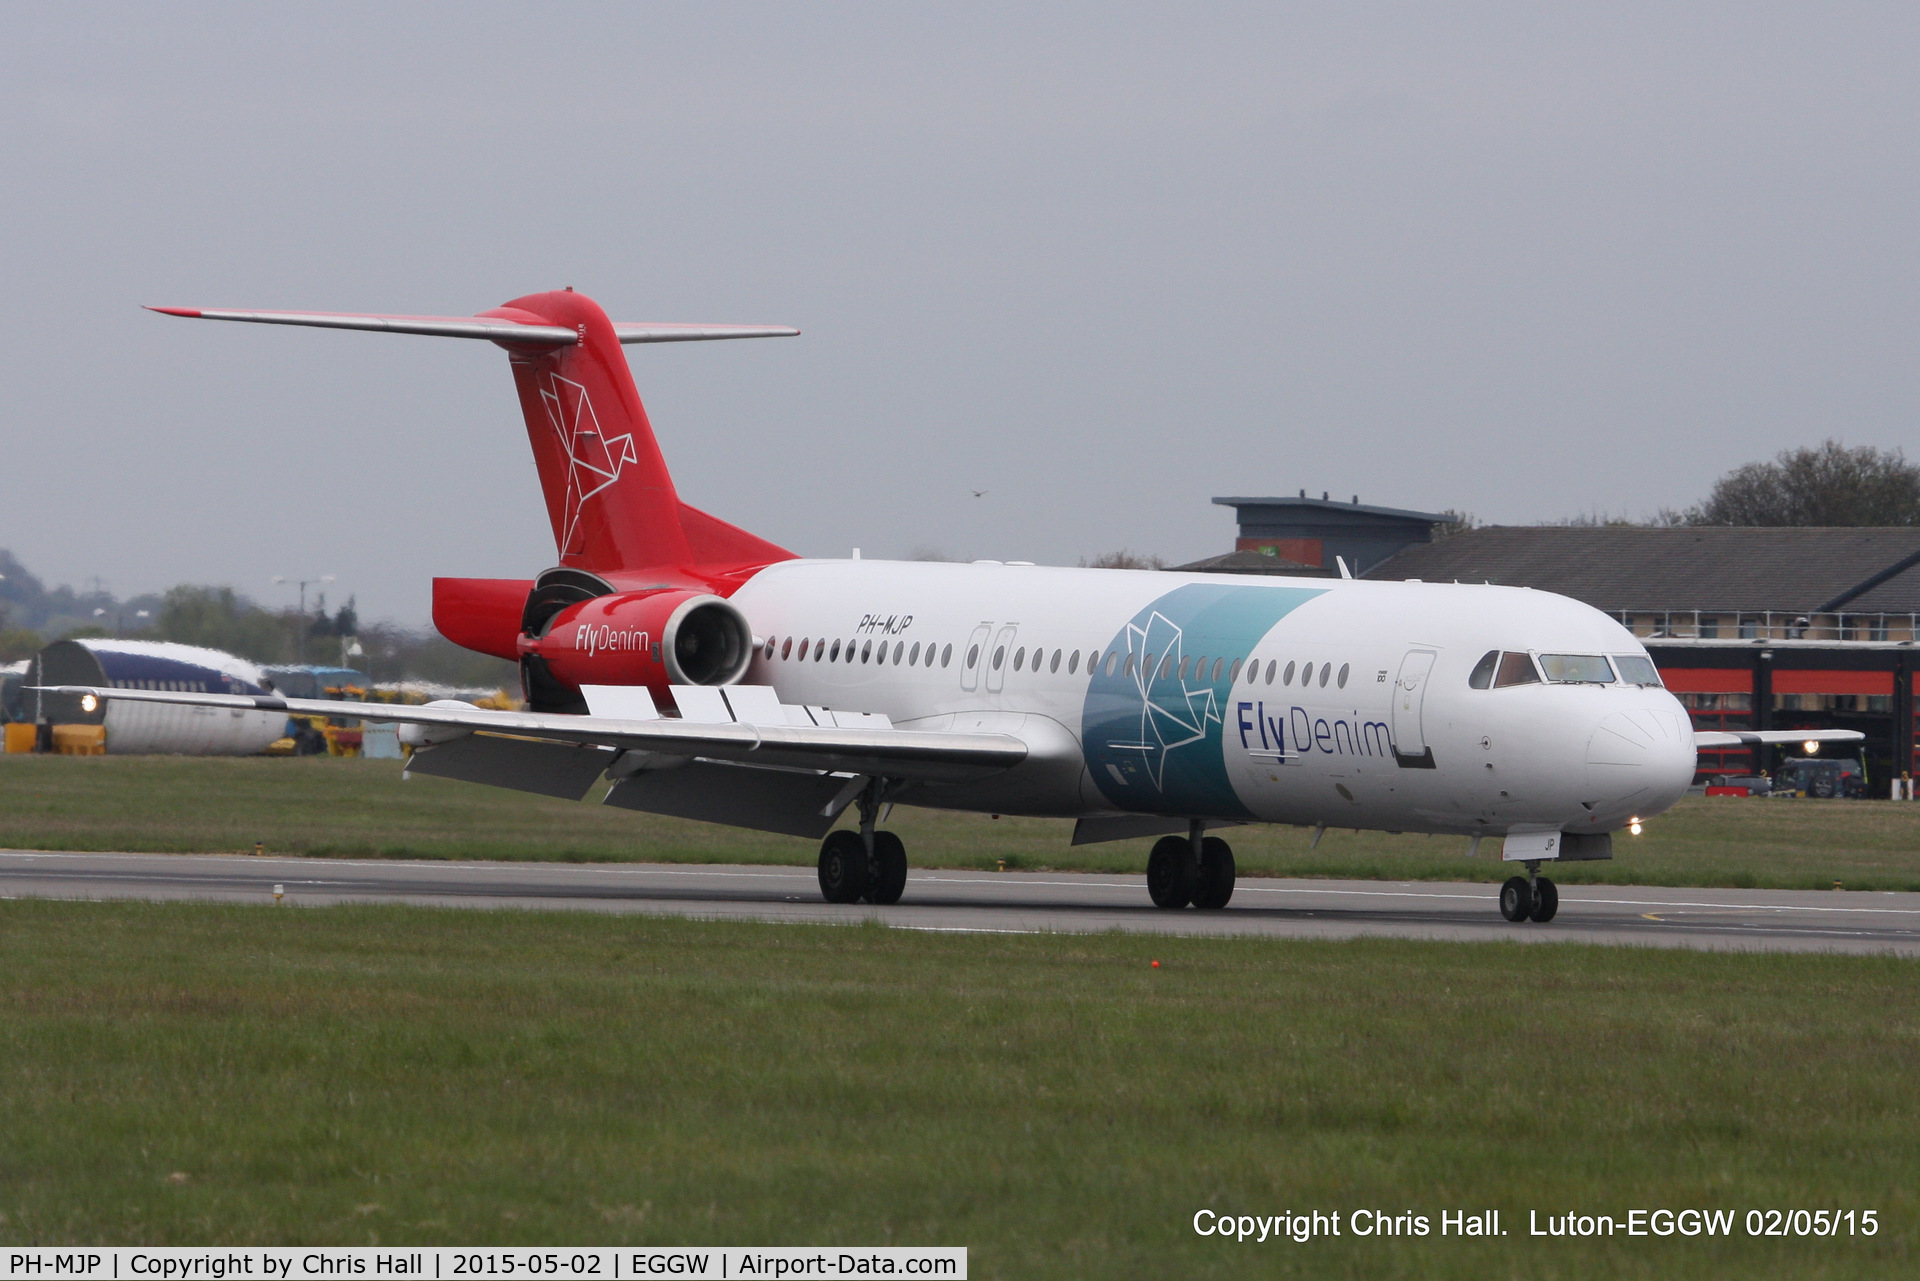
1762 737
490 328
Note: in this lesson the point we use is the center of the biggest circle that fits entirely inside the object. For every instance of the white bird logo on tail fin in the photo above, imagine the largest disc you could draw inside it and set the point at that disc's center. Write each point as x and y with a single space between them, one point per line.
593 461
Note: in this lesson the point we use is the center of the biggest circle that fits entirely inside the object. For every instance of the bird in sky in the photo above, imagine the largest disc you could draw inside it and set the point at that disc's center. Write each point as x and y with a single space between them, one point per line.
978 493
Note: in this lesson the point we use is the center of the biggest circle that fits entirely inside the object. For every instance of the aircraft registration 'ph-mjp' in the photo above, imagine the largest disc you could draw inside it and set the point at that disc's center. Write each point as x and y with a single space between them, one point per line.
1139 703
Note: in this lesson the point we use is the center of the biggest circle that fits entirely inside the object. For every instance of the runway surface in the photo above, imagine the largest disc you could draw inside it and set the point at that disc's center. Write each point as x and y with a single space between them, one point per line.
1001 902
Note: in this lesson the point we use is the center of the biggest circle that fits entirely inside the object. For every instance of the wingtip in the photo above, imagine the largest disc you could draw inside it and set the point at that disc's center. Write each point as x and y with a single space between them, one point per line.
191 312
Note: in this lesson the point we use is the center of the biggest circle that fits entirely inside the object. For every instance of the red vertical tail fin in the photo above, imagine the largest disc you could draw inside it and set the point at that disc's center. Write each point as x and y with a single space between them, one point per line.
608 492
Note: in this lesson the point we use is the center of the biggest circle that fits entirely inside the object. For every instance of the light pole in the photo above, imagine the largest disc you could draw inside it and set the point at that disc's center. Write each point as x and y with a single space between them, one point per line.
301 644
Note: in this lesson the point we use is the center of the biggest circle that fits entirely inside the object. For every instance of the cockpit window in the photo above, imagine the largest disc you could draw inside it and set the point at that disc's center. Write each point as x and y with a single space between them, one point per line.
1482 677
1515 669
1577 669
1636 669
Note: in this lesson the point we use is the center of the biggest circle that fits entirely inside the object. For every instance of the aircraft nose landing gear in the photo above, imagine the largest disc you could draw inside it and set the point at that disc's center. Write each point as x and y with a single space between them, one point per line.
1531 897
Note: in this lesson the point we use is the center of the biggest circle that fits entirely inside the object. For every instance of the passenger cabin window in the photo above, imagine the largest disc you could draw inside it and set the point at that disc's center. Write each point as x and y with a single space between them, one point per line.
1482 677
1515 669
1635 669
1577 669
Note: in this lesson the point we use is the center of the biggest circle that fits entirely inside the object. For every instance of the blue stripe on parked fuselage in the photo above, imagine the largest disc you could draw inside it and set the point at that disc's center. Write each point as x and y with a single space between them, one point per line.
1153 740
145 671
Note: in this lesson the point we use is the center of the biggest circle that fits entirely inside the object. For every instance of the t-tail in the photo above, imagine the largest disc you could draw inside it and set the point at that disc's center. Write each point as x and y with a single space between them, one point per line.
619 527
609 495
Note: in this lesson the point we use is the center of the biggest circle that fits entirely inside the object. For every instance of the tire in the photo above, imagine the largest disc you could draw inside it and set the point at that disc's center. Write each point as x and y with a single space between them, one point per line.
889 870
843 867
1546 901
1170 873
1822 788
1216 874
1516 899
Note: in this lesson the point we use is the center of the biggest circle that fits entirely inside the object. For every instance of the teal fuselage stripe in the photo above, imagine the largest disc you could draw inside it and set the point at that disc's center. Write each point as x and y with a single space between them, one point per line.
1153 735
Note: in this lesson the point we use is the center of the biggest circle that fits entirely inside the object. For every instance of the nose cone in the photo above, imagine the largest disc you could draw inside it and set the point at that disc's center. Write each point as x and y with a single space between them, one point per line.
1640 760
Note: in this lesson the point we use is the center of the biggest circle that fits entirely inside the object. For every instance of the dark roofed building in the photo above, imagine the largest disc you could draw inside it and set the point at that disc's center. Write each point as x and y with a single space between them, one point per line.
1764 628
1252 562
1313 531
1720 569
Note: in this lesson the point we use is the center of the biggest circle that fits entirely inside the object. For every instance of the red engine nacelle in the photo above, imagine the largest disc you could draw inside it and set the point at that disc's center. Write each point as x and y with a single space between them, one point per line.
671 636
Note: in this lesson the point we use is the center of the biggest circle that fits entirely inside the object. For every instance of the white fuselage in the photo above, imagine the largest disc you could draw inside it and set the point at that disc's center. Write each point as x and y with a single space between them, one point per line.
1386 734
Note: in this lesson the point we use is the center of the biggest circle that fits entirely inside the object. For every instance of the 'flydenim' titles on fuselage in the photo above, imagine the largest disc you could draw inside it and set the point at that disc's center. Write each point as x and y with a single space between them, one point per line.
594 639
1309 733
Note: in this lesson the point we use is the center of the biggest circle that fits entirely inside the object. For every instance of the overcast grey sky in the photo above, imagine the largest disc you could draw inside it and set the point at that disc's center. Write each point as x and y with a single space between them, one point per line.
1103 262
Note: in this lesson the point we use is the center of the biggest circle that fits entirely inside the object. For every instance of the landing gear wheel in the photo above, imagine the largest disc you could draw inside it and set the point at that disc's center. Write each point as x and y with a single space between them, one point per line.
1216 874
889 870
1516 899
1546 900
1170 873
843 867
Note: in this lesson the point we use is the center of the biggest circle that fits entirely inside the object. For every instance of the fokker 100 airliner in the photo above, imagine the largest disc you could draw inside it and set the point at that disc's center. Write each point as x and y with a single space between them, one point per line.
713 675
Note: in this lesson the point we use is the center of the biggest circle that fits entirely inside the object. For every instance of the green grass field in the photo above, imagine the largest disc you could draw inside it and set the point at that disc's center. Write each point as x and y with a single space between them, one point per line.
196 1074
324 806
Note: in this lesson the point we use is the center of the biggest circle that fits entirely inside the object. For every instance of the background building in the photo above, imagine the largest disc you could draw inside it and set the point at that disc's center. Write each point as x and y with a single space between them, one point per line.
1313 531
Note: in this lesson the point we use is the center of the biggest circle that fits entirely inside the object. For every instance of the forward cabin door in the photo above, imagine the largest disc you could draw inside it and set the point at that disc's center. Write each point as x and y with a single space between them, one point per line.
998 658
1409 695
975 655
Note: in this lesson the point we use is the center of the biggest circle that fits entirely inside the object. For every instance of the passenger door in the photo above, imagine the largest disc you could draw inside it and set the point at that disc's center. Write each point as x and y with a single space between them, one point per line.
973 657
998 657
1410 747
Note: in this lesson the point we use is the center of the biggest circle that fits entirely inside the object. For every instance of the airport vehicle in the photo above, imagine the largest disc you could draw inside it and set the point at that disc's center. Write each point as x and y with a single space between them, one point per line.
1140 703
1821 776
1739 784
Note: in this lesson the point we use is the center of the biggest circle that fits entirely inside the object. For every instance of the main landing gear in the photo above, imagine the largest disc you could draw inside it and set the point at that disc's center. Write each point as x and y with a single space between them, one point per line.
1192 869
866 864
1529 898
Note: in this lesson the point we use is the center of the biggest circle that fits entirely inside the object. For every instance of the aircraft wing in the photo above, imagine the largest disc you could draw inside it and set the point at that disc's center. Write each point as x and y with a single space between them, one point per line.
1758 737
917 755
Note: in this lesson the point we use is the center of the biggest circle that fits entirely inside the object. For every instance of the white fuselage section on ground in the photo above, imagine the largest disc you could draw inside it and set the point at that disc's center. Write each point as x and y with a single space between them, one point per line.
1199 703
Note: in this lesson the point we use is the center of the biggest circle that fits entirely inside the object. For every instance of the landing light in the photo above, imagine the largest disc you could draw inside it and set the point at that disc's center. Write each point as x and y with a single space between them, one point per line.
88 703
1633 826
1812 748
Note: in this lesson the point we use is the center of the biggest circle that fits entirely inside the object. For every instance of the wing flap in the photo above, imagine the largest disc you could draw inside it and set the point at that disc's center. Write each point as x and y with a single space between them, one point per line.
566 770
